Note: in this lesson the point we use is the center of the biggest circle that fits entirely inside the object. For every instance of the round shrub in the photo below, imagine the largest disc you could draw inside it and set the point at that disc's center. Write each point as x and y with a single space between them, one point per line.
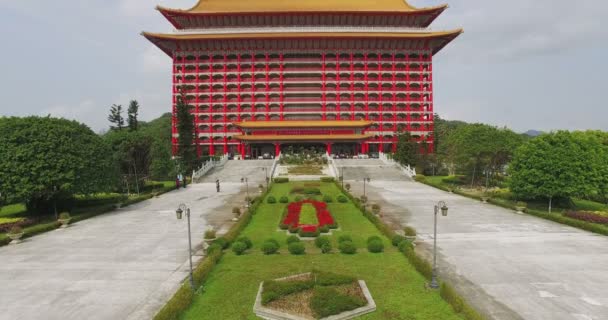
284 199
320 241
397 239
296 248
328 199
344 237
347 247
222 242
271 199
239 248
374 238
292 239
324 229
274 241
342 199
404 245
246 241
270 247
326 248
375 246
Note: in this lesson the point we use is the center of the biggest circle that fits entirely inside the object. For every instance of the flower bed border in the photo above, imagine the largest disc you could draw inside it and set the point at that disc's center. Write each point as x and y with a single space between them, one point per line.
303 231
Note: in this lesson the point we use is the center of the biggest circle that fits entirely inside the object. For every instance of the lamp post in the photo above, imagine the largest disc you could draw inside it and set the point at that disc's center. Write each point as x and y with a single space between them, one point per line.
444 212
364 181
180 210
246 181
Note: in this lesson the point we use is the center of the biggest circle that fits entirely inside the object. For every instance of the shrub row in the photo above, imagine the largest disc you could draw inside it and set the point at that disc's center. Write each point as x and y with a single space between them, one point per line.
421 265
276 289
281 180
327 179
328 301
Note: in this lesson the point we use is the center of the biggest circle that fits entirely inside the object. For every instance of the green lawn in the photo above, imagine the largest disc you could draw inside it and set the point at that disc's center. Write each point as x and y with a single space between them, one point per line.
12 210
308 214
397 288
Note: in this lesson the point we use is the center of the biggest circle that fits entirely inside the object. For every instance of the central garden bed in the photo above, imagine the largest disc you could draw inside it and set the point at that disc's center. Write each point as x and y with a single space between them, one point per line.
307 218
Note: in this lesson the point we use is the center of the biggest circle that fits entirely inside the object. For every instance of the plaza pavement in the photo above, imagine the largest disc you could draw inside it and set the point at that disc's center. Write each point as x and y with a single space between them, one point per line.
121 265
509 266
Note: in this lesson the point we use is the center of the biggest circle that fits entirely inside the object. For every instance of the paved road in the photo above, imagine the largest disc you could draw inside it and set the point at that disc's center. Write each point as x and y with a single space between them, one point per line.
526 267
121 265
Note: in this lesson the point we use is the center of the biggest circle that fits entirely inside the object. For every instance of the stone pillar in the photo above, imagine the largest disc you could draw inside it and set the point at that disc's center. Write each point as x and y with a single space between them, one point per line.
329 144
277 149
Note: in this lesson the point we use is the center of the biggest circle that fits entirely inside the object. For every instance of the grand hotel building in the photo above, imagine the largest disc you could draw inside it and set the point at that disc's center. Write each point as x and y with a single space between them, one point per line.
347 75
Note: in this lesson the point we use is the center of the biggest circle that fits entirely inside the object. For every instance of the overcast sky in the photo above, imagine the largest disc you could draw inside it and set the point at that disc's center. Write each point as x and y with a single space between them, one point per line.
525 64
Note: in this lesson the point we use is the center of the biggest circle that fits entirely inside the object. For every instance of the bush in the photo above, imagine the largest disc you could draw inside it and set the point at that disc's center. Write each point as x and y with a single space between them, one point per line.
239 248
345 237
327 179
409 231
271 200
284 199
326 248
298 198
222 242
347 247
324 278
328 199
375 246
246 241
309 234
342 199
374 238
292 239
274 290
270 247
397 239
404 245
210 234
328 301
320 241
293 229
419 263
296 248
64 216
281 180
214 247
324 229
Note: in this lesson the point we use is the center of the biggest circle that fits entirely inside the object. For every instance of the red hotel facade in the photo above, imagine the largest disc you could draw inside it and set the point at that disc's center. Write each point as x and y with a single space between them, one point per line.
259 75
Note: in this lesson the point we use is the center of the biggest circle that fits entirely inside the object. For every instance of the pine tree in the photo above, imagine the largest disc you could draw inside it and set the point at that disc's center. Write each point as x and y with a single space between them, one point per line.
132 113
116 118
185 129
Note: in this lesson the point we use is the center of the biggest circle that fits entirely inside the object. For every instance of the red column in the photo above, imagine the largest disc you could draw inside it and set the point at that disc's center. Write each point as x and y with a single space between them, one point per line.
329 147
277 149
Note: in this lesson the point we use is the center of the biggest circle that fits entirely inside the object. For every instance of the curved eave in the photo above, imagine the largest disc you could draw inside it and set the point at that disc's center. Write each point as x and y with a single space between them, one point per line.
160 39
325 137
301 124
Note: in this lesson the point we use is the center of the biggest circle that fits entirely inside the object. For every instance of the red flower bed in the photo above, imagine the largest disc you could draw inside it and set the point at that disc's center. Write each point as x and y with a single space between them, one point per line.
587 216
291 218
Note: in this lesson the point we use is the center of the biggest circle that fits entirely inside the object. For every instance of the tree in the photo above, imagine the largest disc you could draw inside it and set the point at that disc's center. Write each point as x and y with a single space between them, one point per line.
560 165
132 113
159 131
132 155
116 118
185 129
45 161
407 150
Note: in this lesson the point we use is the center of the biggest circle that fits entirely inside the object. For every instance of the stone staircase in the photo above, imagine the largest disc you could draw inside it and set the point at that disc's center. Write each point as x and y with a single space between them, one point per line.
376 169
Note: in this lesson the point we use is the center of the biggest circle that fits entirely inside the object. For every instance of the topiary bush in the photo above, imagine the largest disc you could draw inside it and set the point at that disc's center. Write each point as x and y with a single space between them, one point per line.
347 247
246 241
210 234
328 199
296 248
373 238
375 246
345 237
342 199
271 199
284 199
239 248
270 247
292 239
397 239
404 245
320 241
326 248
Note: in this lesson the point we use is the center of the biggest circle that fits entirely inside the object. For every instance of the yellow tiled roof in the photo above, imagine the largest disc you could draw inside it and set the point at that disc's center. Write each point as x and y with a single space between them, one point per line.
314 137
244 6
304 124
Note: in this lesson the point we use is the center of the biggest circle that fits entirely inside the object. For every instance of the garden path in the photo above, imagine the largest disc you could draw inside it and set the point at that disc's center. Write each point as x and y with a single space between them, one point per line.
121 265
510 266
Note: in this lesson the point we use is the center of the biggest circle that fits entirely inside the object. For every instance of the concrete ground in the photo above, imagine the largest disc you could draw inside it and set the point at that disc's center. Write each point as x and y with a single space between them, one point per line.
234 170
122 265
510 266
358 169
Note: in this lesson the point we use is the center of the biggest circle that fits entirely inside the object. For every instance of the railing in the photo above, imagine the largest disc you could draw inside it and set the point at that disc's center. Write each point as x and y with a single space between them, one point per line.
332 166
408 170
207 166
275 164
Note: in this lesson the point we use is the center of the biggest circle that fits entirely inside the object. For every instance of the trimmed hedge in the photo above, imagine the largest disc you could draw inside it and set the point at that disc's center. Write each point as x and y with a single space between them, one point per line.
327 179
342 199
328 301
274 290
281 180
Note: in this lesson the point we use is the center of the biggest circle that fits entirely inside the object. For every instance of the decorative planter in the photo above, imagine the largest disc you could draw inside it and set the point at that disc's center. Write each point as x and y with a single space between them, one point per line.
64 222
520 210
484 199
15 237
451 190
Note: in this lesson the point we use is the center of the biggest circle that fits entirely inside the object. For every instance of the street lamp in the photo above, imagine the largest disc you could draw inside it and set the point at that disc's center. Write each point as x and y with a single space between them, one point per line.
246 181
178 213
440 206
364 181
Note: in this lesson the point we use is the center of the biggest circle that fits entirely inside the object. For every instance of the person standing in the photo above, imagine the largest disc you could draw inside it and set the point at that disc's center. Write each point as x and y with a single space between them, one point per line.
217 184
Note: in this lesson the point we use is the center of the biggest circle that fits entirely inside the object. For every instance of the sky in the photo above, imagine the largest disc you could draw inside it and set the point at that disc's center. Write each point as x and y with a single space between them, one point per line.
520 63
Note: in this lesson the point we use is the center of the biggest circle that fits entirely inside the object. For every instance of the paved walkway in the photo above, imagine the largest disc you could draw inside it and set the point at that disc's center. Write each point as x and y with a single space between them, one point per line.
526 267
121 265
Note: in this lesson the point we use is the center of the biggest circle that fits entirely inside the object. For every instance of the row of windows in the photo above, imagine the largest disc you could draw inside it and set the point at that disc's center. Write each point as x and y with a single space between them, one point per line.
304 55
287 87
355 65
